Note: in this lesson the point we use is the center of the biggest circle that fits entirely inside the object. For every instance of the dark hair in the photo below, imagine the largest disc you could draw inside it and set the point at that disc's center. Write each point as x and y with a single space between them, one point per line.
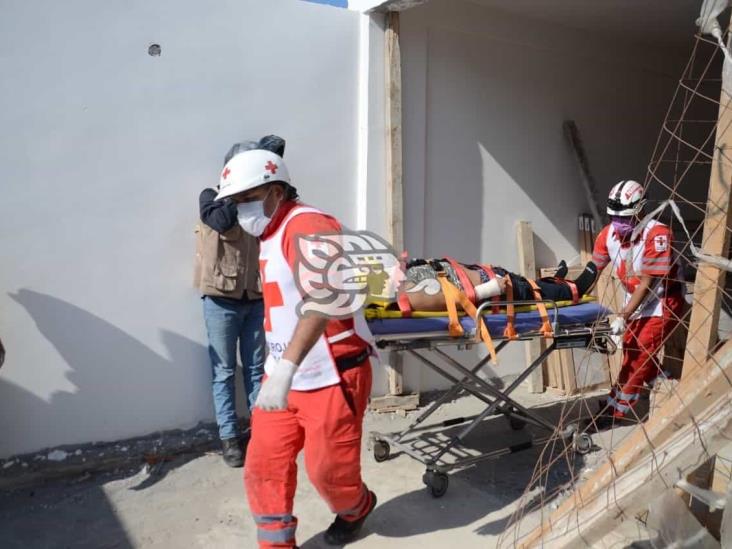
290 191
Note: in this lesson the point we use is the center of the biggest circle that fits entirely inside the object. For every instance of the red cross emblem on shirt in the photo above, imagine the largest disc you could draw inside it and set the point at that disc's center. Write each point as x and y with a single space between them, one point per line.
271 167
225 173
271 294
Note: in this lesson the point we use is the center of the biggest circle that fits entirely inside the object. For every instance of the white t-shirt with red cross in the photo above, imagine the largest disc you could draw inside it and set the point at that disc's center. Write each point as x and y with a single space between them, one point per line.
277 258
651 254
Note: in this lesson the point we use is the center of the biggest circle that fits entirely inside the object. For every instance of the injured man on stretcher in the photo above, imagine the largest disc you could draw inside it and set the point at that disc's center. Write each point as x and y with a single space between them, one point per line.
422 291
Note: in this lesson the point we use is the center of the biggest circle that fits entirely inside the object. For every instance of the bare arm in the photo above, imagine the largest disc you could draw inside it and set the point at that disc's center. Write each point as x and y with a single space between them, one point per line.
307 331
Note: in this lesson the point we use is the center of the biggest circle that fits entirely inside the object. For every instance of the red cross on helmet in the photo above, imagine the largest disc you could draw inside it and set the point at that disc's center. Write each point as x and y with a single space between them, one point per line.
250 169
626 199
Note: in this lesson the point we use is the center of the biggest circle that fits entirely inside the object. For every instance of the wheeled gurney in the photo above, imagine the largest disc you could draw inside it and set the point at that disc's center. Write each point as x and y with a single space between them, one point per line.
423 336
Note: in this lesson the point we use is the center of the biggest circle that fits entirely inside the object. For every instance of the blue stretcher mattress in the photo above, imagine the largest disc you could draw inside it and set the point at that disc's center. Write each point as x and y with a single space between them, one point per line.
585 313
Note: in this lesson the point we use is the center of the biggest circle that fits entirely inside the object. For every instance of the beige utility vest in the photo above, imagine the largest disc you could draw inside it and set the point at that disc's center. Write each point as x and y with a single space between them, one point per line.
227 264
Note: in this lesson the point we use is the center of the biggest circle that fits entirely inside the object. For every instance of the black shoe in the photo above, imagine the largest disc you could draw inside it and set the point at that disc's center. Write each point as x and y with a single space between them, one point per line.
343 531
231 451
562 269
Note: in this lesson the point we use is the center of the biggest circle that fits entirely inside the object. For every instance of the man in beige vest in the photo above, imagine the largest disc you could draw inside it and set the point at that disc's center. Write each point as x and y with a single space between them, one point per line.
227 275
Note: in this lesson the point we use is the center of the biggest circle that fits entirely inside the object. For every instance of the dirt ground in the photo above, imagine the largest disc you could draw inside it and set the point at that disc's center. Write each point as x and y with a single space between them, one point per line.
196 501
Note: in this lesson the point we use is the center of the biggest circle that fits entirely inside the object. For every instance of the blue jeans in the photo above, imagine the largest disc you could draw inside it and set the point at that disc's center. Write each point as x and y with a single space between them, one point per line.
229 322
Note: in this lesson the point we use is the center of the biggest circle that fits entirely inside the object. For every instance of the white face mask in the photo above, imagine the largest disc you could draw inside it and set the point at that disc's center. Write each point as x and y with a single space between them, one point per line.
252 218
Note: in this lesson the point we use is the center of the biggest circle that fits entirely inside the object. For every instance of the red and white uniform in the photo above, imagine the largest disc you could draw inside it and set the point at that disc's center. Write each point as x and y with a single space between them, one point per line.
325 406
651 254
282 296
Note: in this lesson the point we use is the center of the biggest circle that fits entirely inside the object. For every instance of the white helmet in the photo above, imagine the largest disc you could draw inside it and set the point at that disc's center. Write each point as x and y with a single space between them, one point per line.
250 169
626 199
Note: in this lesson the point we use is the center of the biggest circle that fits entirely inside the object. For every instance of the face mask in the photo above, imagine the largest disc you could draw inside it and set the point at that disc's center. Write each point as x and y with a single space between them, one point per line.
252 217
623 226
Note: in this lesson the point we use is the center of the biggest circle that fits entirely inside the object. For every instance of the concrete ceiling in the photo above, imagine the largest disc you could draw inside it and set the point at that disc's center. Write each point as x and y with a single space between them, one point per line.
659 21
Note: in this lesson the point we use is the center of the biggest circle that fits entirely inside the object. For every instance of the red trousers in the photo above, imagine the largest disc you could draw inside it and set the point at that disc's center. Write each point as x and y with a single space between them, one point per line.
327 424
643 338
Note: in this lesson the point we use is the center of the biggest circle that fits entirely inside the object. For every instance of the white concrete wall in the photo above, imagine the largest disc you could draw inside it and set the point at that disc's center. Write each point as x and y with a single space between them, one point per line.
103 152
485 95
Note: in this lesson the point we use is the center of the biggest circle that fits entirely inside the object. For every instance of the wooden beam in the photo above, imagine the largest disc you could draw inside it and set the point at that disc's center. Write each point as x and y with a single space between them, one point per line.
611 295
632 492
705 385
583 165
527 268
394 180
710 280
394 403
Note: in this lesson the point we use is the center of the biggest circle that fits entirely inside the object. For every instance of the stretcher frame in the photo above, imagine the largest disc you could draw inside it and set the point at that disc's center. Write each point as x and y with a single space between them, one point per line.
595 336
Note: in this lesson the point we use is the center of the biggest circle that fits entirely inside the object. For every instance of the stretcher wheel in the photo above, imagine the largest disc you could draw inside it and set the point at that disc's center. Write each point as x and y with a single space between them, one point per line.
582 443
381 451
436 482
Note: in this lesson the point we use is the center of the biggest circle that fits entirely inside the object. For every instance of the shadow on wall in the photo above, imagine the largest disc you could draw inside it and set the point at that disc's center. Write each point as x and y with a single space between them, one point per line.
545 256
120 382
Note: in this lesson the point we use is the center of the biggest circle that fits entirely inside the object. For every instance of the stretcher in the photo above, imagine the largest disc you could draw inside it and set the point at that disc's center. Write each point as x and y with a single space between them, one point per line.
582 325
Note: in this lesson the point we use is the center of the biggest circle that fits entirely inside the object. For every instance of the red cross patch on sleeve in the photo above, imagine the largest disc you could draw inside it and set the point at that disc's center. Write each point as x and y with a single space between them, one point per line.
660 243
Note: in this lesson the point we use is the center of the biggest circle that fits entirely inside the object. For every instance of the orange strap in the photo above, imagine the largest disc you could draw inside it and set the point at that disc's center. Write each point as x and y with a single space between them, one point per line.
546 326
574 290
569 284
510 331
450 292
491 275
453 296
404 306
402 299
463 277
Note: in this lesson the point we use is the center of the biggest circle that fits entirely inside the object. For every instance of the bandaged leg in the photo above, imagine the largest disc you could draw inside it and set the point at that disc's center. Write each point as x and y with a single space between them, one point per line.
490 289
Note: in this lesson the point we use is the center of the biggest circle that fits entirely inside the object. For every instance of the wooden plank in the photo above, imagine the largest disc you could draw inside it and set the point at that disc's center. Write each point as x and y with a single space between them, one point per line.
556 378
572 272
394 175
610 294
392 403
702 390
569 372
720 483
527 268
394 182
631 493
710 280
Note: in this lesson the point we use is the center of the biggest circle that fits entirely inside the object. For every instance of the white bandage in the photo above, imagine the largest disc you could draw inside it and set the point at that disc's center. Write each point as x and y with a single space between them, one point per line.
488 289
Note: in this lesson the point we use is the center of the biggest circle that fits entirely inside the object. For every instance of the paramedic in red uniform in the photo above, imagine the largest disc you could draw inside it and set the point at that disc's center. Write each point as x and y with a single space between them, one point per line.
654 293
318 374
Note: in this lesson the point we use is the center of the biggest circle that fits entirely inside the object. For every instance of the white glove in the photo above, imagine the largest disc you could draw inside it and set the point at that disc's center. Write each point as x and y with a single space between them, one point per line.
617 327
273 393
